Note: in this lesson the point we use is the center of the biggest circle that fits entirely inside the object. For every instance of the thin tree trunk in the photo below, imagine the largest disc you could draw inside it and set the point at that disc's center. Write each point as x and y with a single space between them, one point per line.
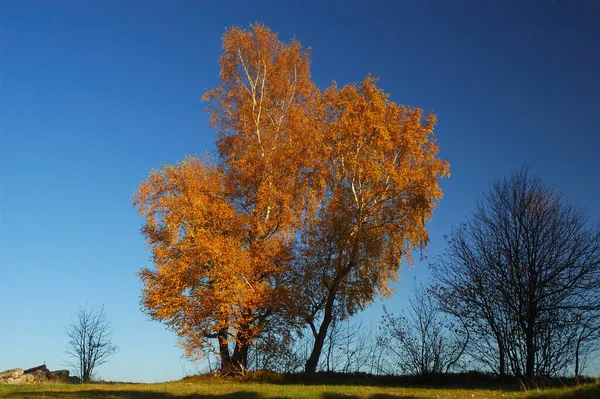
577 358
226 362
310 368
502 356
530 348
240 353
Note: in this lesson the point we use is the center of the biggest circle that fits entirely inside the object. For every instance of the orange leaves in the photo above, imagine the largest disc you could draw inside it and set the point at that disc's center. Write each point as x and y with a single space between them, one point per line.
197 241
314 193
216 268
263 110
380 171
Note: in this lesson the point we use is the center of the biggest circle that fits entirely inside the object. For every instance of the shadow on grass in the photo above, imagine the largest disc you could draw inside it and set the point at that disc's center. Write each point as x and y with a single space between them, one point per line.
333 395
103 394
467 380
474 380
386 396
128 394
583 392
591 391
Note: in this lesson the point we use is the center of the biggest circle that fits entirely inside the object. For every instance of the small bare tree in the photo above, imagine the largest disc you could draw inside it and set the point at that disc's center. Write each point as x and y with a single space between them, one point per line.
90 341
422 340
349 347
276 350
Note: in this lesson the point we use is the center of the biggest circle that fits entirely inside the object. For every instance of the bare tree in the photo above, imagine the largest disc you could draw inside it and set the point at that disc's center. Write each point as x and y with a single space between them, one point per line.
276 350
423 340
587 339
90 341
522 272
349 347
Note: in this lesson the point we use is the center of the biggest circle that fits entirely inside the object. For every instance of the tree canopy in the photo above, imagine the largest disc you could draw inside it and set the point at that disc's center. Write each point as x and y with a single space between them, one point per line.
315 199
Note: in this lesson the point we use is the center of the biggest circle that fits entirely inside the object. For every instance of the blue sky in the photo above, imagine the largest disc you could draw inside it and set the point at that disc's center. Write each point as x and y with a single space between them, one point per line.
93 95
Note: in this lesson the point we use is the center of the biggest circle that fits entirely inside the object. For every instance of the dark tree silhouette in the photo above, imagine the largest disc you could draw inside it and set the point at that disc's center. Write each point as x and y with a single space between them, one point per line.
524 273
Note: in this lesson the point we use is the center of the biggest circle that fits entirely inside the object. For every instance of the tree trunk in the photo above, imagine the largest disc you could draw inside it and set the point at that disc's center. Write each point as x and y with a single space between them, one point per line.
577 358
240 355
242 345
310 368
226 361
530 348
502 356
86 374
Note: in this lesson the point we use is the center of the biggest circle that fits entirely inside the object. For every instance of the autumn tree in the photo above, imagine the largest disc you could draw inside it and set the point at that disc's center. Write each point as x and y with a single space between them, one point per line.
221 234
378 170
312 204
524 273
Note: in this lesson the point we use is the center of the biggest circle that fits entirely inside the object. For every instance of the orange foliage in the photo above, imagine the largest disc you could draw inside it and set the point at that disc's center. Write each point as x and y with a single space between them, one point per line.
221 236
350 172
264 111
380 174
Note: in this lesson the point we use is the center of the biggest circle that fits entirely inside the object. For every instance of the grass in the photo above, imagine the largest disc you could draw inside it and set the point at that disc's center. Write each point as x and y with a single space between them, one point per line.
230 389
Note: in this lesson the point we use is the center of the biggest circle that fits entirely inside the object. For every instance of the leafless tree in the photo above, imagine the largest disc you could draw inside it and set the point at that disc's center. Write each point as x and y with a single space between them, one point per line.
277 350
587 339
522 272
90 341
349 347
423 340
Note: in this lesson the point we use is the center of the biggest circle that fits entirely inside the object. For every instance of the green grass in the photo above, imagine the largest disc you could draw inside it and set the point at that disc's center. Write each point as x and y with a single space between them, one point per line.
233 390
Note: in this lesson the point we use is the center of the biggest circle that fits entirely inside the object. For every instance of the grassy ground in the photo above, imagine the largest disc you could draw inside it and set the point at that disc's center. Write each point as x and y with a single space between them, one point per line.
234 390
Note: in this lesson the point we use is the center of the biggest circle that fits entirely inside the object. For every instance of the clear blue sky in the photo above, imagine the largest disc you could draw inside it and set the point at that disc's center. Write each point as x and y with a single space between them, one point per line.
94 95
